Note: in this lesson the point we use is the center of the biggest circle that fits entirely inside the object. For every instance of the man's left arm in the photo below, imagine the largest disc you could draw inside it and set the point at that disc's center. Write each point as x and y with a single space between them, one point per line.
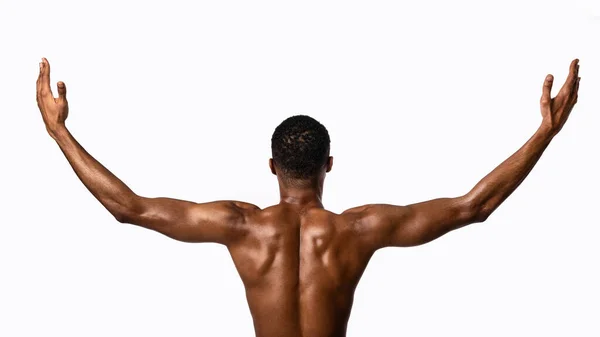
219 221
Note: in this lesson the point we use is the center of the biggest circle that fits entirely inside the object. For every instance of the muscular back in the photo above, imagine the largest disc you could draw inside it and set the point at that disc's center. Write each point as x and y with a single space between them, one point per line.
300 264
300 269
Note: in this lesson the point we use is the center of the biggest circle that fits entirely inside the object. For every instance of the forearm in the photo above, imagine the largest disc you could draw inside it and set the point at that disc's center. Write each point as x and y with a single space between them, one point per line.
105 186
494 188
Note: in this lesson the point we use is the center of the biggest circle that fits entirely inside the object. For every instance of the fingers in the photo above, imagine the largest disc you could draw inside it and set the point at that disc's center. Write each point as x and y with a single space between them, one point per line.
576 90
546 90
39 80
573 71
571 80
576 72
576 79
62 91
573 74
44 86
574 67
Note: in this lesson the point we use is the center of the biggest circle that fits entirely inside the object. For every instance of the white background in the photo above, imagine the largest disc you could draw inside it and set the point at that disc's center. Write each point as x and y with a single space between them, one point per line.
179 99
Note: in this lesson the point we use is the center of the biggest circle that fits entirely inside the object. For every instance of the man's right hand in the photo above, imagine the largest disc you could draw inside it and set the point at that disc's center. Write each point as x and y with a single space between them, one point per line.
382 225
556 111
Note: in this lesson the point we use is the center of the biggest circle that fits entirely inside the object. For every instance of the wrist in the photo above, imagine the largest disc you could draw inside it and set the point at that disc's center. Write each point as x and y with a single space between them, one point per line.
57 132
547 130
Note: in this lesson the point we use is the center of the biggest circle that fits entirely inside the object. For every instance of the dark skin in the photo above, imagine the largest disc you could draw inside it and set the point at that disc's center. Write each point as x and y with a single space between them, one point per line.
300 263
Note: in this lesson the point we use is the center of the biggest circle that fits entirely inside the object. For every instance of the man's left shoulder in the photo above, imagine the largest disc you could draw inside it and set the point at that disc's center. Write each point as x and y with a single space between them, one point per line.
245 206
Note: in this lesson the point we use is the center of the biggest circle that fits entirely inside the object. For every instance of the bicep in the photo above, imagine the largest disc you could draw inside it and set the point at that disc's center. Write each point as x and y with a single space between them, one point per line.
401 226
218 221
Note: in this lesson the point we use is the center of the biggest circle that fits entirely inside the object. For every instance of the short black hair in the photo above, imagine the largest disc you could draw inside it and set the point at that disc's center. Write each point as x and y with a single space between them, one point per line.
300 147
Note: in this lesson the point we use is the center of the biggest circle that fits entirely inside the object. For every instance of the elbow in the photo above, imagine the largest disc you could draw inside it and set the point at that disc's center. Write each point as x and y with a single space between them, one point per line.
477 211
482 212
129 215
120 218
126 212
481 215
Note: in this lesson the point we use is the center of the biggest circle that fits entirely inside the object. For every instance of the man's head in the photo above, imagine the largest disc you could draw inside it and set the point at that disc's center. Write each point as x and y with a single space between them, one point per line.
300 149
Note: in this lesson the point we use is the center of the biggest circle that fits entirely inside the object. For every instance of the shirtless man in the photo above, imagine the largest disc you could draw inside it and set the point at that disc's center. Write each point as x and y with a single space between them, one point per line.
300 263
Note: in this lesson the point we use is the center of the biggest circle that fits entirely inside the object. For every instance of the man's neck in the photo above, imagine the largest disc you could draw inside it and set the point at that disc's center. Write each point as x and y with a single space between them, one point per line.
305 194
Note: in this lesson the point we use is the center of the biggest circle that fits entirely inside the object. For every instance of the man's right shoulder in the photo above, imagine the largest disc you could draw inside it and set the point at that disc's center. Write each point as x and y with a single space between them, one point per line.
359 216
372 217
368 210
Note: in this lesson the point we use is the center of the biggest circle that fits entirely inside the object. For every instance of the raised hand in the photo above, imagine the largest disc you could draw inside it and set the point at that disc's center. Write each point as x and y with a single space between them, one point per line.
556 111
54 110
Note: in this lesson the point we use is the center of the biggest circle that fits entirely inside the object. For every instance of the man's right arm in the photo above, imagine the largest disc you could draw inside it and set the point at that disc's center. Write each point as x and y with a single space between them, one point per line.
382 225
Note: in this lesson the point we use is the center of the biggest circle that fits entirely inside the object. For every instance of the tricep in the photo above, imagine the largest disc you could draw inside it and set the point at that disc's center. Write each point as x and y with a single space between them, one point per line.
384 225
